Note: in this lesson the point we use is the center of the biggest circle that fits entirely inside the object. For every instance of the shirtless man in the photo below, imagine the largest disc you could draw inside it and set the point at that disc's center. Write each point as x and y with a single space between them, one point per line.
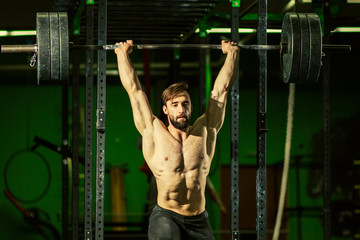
179 155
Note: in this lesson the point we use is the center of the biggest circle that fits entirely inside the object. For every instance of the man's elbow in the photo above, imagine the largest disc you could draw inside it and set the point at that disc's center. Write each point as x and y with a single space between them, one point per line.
219 95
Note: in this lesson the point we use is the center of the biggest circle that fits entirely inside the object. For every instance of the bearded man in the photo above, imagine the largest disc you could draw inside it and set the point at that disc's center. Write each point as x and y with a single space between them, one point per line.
179 155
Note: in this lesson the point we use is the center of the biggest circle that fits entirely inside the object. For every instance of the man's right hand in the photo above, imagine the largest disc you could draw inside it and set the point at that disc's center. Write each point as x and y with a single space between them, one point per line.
229 47
125 47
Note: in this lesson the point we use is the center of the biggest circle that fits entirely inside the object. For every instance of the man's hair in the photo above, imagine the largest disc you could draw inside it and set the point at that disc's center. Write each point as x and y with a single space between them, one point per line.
173 90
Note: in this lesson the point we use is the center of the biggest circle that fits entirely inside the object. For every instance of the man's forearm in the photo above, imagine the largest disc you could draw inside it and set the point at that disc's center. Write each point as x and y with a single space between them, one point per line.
127 73
226 75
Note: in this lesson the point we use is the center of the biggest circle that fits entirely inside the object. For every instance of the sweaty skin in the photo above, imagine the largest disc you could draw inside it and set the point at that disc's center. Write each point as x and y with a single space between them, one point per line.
179 158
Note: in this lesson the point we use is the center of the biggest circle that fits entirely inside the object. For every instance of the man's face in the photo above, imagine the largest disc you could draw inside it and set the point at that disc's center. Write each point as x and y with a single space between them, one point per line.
179 110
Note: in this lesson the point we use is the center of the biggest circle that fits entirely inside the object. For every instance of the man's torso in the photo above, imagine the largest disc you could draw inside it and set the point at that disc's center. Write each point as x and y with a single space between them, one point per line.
180 169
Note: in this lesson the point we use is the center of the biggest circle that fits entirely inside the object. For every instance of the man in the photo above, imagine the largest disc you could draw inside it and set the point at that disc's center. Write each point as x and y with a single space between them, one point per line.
179 155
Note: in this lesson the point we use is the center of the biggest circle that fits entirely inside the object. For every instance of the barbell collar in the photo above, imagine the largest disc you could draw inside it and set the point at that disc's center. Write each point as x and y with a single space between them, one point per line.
18 48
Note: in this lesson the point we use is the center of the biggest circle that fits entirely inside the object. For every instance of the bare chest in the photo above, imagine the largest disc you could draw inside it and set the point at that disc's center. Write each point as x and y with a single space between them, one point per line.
171 156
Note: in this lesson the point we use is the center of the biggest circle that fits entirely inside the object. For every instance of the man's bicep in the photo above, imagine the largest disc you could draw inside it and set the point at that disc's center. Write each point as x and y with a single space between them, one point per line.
215 113
142 113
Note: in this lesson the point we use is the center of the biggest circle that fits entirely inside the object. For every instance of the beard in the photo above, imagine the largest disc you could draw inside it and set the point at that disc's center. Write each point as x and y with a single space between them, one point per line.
182 124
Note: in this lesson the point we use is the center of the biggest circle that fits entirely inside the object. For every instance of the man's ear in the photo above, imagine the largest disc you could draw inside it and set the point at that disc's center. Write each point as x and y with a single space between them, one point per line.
165 109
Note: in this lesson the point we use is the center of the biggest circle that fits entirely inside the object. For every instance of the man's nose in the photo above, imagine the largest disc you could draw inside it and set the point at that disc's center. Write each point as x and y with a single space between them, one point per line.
181 108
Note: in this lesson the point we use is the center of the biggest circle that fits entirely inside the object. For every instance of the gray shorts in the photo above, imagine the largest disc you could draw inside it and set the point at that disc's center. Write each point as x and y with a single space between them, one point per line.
168 225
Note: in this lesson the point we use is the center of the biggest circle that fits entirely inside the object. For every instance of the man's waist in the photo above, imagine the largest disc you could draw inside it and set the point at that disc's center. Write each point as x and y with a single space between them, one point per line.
178 212
185 209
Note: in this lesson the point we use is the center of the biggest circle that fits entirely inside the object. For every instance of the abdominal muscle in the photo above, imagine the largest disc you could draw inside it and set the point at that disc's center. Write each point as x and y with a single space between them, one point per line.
181 192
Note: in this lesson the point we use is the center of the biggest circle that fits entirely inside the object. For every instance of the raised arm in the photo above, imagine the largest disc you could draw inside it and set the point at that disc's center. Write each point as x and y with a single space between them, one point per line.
215 112
142 113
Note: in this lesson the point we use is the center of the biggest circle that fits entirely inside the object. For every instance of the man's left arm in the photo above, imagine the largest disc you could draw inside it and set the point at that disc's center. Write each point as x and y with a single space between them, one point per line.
215 112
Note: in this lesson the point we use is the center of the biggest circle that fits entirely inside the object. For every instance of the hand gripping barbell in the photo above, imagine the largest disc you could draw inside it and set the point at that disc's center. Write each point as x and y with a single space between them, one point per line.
301 47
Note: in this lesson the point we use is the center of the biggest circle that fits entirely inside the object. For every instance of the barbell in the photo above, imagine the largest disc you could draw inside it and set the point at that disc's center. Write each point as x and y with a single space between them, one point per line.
301 47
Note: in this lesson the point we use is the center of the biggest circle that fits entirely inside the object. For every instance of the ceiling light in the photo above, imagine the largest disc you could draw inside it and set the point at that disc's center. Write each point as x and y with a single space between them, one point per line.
17 33
346 29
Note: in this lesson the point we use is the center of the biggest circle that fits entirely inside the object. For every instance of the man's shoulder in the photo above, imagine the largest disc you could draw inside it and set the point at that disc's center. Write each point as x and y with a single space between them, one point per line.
158 125
154 126
200 123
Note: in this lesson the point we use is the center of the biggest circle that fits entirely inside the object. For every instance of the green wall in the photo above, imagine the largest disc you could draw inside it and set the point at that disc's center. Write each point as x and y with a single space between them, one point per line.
29 111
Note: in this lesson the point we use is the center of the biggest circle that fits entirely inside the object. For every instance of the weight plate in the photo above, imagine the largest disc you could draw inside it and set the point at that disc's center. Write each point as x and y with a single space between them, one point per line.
64 46
43 45
290 40
305 48
315 48
55 46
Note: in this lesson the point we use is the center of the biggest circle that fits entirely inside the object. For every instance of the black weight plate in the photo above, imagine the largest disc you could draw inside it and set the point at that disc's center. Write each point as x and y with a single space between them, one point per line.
315 47
55 46
290 39
43 45
64 46
305 48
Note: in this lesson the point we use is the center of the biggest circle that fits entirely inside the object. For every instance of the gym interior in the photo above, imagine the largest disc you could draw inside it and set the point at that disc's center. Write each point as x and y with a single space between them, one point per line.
45 131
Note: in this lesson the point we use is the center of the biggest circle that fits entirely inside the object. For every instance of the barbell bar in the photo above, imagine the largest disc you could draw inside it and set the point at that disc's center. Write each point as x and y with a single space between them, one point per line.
34 49
180 46
301 47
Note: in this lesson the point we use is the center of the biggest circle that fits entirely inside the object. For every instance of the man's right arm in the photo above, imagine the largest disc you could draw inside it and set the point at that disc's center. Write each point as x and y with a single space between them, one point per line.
142 113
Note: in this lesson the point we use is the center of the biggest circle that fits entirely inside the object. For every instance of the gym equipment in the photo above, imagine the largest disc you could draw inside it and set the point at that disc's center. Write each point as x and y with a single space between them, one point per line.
300 48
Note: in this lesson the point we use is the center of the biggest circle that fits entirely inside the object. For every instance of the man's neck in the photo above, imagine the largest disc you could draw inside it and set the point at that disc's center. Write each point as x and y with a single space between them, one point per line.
180 135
